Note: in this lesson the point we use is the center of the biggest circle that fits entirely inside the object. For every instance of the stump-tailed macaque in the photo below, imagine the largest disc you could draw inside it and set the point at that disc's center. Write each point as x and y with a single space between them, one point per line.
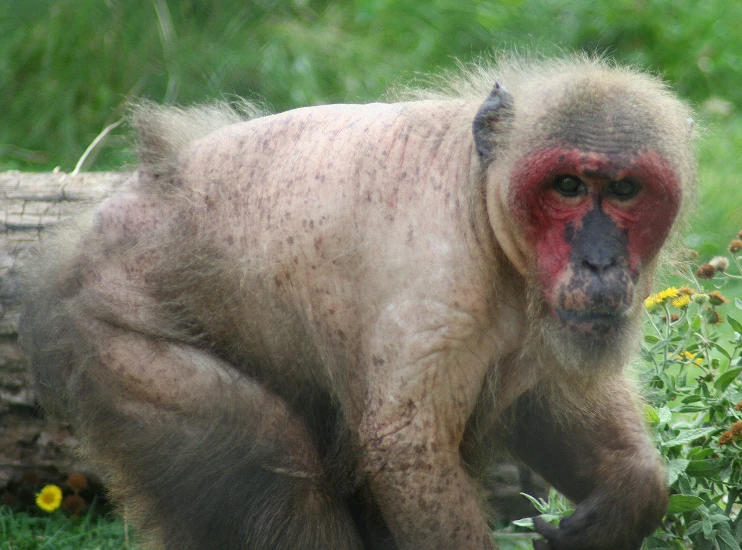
313 329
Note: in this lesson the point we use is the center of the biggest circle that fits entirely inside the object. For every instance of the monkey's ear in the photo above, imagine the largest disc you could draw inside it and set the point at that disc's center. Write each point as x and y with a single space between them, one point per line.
492 117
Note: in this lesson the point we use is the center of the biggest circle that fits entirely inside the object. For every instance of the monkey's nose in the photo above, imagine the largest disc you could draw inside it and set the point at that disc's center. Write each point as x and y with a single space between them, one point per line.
599 263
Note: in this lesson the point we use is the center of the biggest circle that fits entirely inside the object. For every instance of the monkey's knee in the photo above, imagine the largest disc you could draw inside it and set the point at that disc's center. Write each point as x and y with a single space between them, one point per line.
246 507
284 512
230 479
204 457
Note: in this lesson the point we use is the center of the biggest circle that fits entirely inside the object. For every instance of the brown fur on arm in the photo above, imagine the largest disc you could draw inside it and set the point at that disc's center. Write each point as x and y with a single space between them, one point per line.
591 444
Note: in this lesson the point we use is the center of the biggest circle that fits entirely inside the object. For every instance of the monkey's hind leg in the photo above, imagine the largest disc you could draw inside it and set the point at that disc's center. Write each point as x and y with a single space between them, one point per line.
201 456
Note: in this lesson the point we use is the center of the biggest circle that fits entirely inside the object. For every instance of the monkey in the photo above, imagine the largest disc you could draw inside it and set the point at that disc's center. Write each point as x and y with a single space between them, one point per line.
314 329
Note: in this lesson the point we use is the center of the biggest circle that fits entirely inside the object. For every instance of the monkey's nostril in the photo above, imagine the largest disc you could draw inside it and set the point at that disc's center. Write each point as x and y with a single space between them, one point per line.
598 266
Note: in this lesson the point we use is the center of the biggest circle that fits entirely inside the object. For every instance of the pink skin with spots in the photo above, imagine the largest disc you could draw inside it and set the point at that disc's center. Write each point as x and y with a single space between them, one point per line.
359 225
646 218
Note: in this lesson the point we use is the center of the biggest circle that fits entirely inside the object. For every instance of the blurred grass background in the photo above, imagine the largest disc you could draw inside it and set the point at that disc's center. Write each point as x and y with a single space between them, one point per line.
69 67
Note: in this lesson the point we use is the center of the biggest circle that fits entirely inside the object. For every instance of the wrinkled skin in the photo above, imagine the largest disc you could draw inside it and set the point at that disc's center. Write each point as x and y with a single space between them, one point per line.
316 326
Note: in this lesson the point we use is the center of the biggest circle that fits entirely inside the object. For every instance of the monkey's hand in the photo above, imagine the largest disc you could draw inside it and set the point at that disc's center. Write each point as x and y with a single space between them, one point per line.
601 459
596 525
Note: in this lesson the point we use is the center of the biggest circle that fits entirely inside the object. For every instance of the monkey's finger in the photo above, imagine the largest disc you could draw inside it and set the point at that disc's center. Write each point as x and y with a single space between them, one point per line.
545 529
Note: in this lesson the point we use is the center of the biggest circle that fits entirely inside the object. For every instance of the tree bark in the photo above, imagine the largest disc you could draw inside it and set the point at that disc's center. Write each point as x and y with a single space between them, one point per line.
31 205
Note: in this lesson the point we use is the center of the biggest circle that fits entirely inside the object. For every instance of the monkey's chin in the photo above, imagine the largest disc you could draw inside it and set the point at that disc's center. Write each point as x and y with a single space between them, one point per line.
589 342
591 323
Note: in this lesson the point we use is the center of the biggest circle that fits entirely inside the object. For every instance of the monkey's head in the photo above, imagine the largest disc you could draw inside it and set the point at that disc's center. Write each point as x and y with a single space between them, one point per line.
587 173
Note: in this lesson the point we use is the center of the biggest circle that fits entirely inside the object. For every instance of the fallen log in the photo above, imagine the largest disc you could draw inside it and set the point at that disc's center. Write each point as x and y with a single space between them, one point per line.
31 204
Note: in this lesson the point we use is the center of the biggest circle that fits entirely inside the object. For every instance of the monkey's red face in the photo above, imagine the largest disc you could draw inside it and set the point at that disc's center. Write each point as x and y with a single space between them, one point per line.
593 220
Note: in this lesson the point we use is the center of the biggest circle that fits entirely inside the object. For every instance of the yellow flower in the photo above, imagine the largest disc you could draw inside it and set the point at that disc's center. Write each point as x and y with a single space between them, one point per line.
50 498
671 292
688 356
681 302
660 297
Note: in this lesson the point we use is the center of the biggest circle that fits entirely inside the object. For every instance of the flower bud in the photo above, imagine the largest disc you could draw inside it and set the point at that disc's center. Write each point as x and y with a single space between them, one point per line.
705 271
716 298
720 263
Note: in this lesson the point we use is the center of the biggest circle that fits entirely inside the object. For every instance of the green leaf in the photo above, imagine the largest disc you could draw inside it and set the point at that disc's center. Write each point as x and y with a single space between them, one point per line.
727 378
726 540
694 527
683 503
732 321
738 303
665 415
525 522
689 435
528 522
721 350
690 408
540 504
675 468
719 518
726 473
685 484
701 453
705 468
651 416
738 528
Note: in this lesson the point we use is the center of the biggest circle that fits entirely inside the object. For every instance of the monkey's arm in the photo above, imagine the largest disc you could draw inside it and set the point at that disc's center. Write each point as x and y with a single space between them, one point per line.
421 389
591 445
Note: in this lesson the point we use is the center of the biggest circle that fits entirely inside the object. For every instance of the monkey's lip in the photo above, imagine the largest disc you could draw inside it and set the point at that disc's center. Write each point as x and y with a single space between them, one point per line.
580 317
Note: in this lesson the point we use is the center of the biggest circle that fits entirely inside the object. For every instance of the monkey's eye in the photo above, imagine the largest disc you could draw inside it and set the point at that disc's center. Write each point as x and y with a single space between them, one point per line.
624 189
569 186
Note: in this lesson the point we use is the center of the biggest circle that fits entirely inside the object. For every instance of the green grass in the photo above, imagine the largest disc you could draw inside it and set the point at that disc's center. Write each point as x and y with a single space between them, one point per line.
56 531
719 217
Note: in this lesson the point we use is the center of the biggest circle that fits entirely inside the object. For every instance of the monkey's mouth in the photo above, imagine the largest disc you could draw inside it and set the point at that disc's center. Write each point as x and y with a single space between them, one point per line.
600 321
